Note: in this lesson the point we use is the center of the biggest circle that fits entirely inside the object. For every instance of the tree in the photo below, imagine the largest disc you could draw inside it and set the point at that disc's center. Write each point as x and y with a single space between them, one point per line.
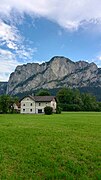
73 100
69 99
99 106
6 103
43 92
64 95
89 102
58 109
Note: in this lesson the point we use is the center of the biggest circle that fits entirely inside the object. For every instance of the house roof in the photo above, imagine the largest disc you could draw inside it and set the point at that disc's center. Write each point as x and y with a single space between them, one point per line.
41 98
18 104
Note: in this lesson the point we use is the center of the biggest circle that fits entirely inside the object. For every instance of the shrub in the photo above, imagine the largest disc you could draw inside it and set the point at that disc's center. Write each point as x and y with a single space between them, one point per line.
58 109
48 110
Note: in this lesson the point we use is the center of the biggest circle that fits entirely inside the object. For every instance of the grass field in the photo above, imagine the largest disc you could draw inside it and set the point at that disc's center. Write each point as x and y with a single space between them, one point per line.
65 146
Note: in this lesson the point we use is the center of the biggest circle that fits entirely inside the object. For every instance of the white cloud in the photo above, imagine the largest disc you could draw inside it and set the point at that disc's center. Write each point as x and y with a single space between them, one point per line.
13 51
9 35
12 45
99 58
8 63
68 14
26 53
7 32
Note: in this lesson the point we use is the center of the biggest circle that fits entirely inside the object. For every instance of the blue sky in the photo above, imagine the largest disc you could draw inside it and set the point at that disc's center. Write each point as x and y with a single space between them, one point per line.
34 31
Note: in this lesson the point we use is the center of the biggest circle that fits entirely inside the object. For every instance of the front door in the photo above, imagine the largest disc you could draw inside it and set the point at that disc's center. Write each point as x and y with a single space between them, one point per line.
39 110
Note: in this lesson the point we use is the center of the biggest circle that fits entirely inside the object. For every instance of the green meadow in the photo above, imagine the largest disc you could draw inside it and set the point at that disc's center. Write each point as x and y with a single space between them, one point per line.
44 147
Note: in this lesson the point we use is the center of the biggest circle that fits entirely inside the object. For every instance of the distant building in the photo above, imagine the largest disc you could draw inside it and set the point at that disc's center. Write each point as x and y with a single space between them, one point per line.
36 104
17 107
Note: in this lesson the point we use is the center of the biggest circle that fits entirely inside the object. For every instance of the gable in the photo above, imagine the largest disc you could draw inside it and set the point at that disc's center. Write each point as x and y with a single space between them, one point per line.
27 99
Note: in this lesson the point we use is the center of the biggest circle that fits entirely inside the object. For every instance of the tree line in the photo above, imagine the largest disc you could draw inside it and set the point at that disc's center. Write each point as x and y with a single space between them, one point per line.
67 100
72 100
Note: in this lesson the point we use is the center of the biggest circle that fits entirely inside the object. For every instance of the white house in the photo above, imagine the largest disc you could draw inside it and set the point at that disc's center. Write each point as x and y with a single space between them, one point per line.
36 104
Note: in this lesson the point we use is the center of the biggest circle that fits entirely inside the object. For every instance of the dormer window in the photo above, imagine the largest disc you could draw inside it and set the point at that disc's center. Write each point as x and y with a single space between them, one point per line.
31 104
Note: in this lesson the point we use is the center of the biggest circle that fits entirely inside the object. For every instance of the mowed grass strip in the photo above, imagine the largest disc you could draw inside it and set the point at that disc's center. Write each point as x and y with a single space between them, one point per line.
65 146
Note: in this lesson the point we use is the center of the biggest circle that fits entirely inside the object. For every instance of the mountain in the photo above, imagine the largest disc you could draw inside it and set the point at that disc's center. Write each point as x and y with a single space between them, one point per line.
58 72
3 87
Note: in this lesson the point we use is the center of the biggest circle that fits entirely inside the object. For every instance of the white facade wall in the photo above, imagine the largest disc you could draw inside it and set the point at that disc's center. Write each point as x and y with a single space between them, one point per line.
41 105
53 105
27 106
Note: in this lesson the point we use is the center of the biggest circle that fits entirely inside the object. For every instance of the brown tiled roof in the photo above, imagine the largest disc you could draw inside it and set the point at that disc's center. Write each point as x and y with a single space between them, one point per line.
41 98
18 104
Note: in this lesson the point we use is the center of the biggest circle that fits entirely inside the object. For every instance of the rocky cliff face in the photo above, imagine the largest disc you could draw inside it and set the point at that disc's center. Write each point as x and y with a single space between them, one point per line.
56 73
3 87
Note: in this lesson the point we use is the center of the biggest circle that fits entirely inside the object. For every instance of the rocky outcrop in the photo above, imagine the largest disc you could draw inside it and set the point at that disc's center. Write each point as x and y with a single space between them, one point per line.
56 73
3 87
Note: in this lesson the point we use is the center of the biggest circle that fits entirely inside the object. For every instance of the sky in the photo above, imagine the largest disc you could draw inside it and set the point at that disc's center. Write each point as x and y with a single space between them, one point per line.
36 30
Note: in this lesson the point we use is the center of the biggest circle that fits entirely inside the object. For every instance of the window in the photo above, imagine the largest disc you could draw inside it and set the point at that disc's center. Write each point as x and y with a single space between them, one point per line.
23 110
31 104
30 110
27 99
23 104
39 104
